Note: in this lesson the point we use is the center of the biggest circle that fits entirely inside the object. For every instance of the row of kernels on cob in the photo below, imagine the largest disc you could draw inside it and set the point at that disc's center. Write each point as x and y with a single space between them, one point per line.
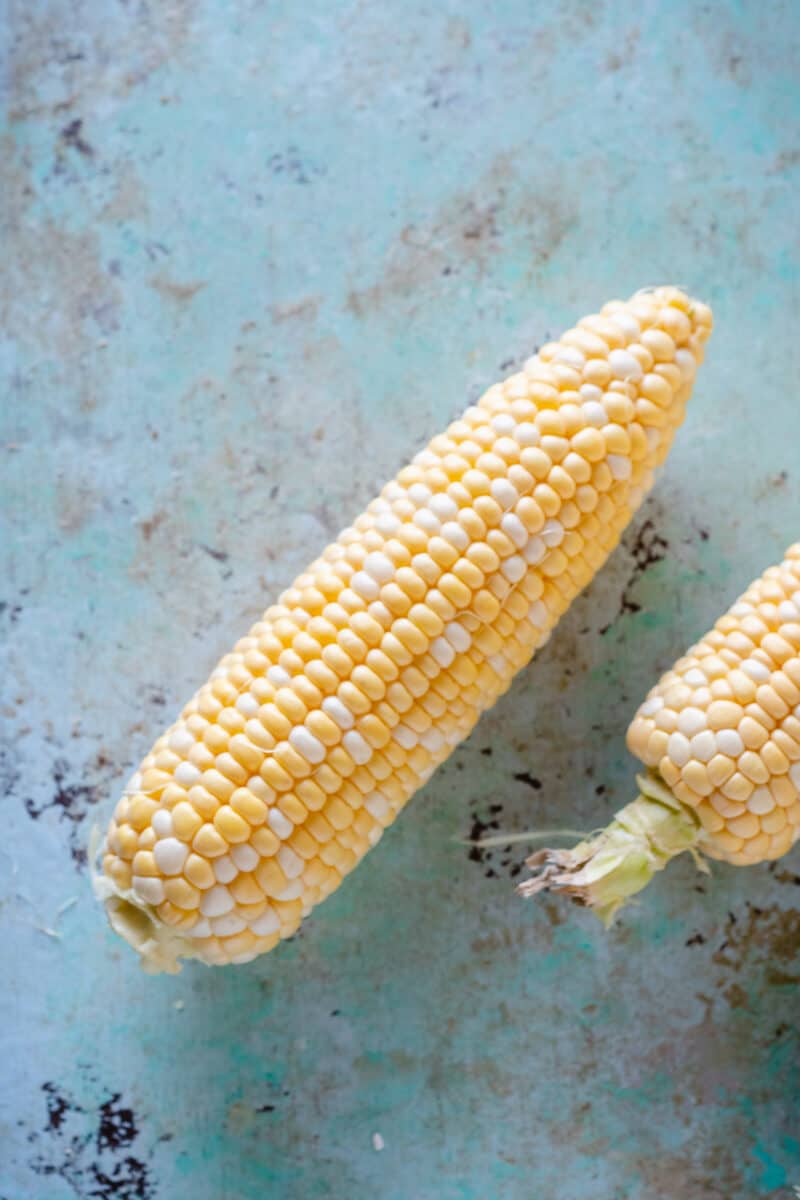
722 728
314 732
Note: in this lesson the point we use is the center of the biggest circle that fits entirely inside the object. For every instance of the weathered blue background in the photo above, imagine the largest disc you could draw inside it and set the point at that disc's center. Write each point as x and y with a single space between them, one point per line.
253 255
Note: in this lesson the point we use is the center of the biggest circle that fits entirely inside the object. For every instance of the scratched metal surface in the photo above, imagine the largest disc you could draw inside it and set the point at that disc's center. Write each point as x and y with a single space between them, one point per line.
254 255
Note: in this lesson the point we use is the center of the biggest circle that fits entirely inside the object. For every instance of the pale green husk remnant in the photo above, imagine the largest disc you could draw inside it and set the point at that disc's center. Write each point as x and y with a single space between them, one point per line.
608 868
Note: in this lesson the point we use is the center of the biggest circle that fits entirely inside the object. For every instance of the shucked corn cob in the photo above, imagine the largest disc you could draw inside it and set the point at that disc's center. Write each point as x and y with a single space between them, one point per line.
720 735
313 733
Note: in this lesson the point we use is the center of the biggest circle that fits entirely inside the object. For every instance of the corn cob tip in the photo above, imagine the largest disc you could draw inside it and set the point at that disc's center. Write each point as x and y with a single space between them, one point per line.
610 867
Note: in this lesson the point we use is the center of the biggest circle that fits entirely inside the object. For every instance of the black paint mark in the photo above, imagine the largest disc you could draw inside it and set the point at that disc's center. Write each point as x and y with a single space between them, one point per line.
782 875
438 90
72 136
72 802
266 1108
526 778
491 857
478 830
297 169
88 1150
9 774
219 555
57 1106
128 1180
117 1127
487 751
154 250
697 939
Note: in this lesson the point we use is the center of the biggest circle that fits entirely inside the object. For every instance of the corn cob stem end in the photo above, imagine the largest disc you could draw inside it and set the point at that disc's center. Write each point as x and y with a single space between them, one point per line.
608 868
159 947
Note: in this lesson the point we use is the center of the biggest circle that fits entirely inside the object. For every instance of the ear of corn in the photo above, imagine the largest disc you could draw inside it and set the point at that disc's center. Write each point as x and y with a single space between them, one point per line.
312 734
720 736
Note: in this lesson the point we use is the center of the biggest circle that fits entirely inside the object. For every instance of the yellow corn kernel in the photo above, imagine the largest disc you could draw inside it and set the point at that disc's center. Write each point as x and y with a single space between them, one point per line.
181 893
270 878
231 826
249 806
199 872
208 842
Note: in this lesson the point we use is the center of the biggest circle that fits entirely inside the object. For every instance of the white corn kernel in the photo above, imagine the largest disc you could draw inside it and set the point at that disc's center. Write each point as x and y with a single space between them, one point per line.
247 705
404 736
279 823
291 863
357 748
455 535
187 774
624 365
442 651
678 749
149 889
443 507
620 466
457 636
504 493
305 743
690 720
730 743
170 854
244 857
552 533
338 712
216 902
278 677
534 551
365 585
227 925
379 567
377 805
162 823
224 869
513 527
181 741
513 568
266 924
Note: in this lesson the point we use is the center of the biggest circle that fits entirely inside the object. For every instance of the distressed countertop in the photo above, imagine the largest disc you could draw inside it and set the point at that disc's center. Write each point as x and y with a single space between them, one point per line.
253 256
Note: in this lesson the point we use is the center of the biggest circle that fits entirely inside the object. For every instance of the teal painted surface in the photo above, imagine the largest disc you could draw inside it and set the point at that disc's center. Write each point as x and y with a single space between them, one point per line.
254 255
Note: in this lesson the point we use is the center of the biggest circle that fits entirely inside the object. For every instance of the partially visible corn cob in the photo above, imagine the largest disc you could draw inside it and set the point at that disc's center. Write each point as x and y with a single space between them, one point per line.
313 733
720 734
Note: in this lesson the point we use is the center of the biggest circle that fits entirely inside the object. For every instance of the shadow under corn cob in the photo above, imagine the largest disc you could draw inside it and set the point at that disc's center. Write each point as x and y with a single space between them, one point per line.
313 733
